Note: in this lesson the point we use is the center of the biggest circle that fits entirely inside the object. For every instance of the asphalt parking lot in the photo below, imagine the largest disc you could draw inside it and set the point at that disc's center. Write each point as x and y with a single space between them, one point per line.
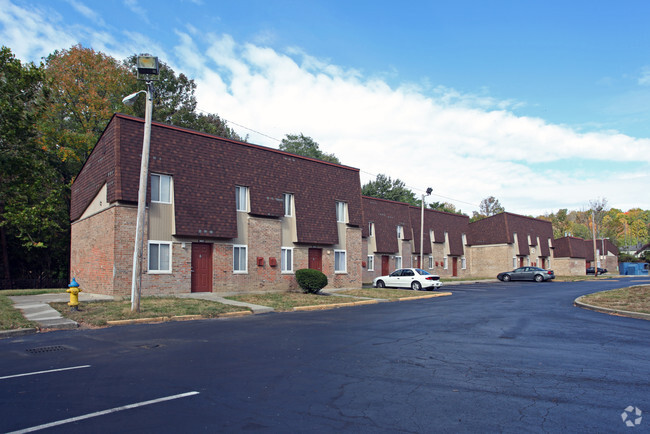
515 357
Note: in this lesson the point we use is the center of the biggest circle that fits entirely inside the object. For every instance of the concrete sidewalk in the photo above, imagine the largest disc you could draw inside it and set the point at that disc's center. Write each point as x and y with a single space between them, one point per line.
257 309
36 308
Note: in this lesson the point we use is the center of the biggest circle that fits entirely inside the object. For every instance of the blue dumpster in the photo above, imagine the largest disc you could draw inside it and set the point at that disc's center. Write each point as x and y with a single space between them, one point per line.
633 268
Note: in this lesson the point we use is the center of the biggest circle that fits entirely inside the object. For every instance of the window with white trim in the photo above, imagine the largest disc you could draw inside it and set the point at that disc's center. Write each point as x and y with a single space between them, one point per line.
463 263
241 194
161 188
446 263
430 262
286 260
160 256
371 262
400 232
398 262
340 262
514 262
240 259
371 229
341 212
288 204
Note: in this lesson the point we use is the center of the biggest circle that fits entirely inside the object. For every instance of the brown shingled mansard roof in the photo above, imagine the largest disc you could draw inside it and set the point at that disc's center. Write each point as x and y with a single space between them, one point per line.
454 224
206 169
570 247
499 229
386 215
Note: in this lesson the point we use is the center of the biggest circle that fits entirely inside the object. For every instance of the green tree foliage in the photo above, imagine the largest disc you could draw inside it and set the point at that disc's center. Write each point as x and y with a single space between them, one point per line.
33 207
488 207
175 103
300 144
446 207
383 187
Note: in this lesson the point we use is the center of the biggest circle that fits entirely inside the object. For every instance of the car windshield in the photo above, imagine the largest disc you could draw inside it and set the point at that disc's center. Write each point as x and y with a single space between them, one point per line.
422 272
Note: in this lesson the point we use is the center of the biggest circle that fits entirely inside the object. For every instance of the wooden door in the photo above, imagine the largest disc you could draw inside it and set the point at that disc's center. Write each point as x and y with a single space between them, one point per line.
385 265
201 267
454 266
316 259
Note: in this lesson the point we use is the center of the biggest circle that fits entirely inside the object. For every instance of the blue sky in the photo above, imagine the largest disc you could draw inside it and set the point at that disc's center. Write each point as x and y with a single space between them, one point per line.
545 105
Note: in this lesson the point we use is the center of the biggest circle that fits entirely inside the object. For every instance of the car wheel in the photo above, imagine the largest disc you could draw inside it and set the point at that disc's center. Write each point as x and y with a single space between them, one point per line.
506 278
539 278
381 284
416 286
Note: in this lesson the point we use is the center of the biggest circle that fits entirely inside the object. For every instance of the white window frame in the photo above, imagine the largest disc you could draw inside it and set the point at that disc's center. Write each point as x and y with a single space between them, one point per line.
430 262
371 229
158 269
286 260
341 212
287 199
241 198
446 263
161 184
398 262
463 263
337 259
514 262
400 232
371 262
236 254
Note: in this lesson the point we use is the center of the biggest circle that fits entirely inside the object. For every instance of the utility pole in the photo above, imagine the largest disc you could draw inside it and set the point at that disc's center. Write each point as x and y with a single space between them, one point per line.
593 236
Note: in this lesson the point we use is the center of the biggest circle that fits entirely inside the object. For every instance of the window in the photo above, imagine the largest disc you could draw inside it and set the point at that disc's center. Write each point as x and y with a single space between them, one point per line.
161 188
340 263
340 212
371 227
463 263
160 257
240 259
514 262
288 204
286 261
446 263
430 262
400 231
398 262
371 263
241 194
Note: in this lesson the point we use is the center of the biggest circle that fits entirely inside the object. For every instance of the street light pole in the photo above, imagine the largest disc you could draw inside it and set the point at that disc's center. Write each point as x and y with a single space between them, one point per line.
148 67
136 282
429 190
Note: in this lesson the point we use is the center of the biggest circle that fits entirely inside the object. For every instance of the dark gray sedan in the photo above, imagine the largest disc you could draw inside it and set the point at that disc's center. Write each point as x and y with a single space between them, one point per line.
527 273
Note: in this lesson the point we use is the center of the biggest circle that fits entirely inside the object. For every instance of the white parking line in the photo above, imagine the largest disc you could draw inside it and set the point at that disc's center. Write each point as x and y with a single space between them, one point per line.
104 412
44 372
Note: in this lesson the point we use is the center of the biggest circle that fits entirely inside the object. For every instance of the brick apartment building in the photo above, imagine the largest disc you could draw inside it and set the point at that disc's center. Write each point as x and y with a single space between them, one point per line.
222 215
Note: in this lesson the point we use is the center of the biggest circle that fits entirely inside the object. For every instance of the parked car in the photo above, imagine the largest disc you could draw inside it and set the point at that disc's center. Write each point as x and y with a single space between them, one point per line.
527 273
413 278
590 270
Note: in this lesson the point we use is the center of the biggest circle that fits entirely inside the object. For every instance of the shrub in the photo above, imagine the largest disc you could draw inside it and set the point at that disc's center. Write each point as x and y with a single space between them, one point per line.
311 281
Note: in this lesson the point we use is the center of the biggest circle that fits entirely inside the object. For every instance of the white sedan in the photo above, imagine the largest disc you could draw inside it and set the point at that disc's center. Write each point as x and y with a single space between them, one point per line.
413 278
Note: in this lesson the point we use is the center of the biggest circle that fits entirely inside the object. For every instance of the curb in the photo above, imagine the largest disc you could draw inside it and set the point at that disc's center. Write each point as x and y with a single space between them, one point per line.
333 305
12 333
637 315
174 318
420 297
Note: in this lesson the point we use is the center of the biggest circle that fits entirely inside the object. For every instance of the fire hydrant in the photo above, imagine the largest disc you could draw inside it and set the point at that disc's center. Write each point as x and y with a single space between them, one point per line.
74 290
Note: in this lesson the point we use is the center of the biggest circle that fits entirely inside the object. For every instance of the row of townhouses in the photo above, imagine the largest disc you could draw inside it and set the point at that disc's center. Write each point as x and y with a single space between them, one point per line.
226 216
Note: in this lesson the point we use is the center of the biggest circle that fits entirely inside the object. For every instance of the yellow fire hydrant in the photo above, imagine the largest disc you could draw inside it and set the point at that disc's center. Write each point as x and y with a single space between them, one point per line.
74 290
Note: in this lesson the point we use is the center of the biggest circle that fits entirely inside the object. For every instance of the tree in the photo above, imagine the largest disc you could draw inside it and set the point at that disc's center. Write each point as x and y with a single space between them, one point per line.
86 87
383 187
306 146
446 207
175 103
33 210
488 207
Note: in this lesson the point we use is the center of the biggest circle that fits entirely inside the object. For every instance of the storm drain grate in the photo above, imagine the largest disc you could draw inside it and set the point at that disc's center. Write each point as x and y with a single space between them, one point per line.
50 349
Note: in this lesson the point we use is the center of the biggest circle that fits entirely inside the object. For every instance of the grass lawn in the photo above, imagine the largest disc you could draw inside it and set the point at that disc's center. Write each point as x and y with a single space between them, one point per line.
385 293
98 313
632 299
286 301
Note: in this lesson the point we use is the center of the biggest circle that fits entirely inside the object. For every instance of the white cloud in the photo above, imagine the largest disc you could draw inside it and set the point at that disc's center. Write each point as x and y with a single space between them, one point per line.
644 79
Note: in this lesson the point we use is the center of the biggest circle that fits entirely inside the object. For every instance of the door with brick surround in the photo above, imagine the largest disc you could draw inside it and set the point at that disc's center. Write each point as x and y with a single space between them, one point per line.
316 259
454 266
201 267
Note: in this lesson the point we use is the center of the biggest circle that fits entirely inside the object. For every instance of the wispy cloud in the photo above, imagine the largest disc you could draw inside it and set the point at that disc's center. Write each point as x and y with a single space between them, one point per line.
87 12
644 78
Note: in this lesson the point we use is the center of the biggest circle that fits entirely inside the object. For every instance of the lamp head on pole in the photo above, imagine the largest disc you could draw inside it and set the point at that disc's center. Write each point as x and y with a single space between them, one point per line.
147 66
130 99
429 190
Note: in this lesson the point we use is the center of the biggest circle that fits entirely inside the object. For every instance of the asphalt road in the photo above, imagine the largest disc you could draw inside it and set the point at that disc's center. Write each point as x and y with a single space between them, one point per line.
497 357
